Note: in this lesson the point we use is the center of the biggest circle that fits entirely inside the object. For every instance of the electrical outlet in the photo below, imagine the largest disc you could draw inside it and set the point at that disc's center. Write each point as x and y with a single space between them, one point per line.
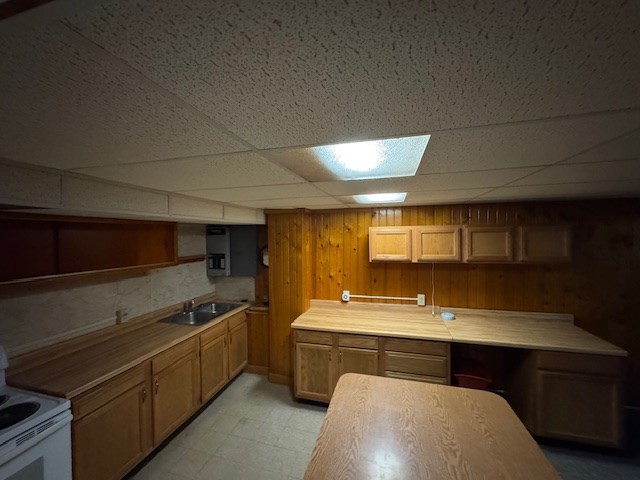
345 295
421 300
121 315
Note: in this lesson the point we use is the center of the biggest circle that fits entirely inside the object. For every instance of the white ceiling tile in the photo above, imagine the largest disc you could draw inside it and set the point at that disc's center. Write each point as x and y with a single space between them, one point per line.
259 193
623 148
67 105
312 202
295 73
182 206
520 145
234 170
622 188
585 172
444 181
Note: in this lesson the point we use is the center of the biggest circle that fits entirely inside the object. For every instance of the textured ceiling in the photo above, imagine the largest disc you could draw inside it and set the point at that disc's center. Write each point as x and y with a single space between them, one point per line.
218 100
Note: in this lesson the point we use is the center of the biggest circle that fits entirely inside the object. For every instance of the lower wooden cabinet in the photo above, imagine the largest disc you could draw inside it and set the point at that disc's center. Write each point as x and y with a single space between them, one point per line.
322 357
314 371
568 396
238 344
579 397
214 361
111 431
119 422
176 387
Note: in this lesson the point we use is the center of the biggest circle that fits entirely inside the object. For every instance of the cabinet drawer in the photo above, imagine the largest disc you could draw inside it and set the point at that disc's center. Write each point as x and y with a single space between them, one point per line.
310 336
107 391
580 363
358 341
417 378
236 320
418 364
213 333
172 355
417 346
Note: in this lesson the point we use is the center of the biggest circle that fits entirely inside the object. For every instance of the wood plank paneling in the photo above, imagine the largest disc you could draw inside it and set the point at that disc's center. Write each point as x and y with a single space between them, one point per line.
597 286
291 282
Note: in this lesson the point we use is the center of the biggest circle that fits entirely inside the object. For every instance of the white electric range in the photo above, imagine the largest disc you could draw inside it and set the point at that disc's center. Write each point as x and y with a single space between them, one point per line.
35 433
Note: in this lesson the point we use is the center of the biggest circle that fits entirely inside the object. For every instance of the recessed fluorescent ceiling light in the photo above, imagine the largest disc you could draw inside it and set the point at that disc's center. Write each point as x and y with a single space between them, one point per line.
381 198
393 157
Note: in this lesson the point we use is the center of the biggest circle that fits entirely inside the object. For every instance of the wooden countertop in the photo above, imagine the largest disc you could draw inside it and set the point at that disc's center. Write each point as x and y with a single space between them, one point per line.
379 427
538 331
81 366
373 319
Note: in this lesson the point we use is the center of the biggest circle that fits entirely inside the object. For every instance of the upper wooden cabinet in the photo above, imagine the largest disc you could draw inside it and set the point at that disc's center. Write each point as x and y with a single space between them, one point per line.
390 244
539 244
436 244
488 244
37 246
482 244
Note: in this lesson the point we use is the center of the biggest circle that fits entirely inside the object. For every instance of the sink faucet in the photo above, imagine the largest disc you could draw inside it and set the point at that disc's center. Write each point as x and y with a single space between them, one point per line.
188 306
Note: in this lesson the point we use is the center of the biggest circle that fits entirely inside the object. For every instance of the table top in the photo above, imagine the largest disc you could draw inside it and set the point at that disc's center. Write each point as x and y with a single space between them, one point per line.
385 428
533 330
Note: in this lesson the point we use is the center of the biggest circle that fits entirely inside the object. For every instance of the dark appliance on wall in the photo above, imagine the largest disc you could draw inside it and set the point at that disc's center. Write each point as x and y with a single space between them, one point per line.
231 250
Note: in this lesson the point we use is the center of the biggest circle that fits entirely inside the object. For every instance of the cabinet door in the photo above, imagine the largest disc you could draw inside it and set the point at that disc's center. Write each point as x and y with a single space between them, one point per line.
357 360
313 378
436 244
258 340
176 388
237 349
488 244
213 367
540 244
580 407
390 244
110 440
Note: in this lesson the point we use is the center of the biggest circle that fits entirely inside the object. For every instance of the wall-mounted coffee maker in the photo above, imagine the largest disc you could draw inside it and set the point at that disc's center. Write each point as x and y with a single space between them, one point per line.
231 250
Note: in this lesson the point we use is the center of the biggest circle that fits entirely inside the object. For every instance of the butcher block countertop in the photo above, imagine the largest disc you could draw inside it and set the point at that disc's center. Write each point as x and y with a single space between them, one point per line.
82 363
538 331
379 428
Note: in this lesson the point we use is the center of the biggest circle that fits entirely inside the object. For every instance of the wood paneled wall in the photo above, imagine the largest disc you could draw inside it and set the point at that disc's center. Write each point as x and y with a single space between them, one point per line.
599 286
290 284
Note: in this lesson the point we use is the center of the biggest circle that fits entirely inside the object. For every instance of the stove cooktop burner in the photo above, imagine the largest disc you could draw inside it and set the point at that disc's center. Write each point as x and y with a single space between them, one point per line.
16 413
3 399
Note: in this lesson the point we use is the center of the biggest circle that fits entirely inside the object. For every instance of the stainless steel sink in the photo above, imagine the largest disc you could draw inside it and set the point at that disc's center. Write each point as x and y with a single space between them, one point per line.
202 314
217 308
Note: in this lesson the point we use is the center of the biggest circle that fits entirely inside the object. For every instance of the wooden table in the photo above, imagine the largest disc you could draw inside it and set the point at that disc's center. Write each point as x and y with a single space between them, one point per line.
384 428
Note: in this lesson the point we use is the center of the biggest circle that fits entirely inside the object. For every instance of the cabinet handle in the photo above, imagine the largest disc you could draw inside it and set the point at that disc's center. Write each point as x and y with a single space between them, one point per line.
230 340
340 357
144 394
156 385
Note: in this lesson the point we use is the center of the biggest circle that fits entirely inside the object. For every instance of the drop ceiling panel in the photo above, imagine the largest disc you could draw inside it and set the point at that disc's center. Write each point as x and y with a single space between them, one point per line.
620 188
622 148
586 172
66 104
234 170
295 73
535 143
300 190
444 181
310 202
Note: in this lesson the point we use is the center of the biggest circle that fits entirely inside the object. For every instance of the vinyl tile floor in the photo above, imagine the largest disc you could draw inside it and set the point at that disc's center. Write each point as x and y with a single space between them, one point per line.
255 430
